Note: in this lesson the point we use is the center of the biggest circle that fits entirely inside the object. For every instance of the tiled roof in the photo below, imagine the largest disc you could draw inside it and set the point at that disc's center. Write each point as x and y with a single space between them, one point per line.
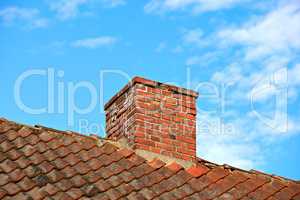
41 163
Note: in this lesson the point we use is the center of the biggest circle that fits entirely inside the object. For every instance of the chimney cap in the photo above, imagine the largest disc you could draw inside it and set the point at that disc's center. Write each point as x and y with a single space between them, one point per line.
151 83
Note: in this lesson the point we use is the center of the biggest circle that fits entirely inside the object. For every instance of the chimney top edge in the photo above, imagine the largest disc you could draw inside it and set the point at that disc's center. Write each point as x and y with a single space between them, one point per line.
151 83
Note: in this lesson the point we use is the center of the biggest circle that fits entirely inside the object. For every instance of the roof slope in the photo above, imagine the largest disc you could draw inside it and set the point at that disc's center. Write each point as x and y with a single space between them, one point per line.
41 163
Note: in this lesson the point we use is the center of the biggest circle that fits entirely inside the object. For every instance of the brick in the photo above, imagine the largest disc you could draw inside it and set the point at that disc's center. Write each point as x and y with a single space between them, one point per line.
155 150
168 147
152 115
186 139
144 81
185 151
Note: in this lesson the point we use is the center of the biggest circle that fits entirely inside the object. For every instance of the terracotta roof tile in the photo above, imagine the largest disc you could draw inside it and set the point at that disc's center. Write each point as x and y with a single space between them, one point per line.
75 193
174 167
4 179
197 171
42 163
11 188
2 193
50 189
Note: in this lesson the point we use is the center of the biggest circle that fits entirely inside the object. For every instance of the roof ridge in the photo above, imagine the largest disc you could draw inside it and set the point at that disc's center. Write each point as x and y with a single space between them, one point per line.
53 130
68 132
251 171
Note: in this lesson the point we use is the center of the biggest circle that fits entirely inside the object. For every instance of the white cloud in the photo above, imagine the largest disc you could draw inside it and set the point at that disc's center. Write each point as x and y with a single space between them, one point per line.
294 75
244 156
196 6
202 60
276 32
266 44
95 42
67 9
30 16
230 74
227 143
193 37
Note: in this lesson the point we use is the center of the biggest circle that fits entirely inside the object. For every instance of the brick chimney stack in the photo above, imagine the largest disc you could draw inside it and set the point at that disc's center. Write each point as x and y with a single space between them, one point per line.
154 117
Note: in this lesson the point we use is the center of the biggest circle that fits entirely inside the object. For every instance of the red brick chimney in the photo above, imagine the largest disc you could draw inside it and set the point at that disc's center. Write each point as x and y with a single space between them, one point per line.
154 117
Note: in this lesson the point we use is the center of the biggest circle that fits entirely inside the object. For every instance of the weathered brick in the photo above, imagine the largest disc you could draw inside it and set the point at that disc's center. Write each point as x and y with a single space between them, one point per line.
154 117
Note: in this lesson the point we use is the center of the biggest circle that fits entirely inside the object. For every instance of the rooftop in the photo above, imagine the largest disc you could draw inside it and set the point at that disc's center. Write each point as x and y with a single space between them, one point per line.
44 163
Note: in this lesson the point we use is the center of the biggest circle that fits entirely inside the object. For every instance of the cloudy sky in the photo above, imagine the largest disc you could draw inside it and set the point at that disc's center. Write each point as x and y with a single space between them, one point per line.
242 56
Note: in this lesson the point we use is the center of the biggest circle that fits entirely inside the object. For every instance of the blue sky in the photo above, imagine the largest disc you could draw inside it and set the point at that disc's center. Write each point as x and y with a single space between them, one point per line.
242 56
